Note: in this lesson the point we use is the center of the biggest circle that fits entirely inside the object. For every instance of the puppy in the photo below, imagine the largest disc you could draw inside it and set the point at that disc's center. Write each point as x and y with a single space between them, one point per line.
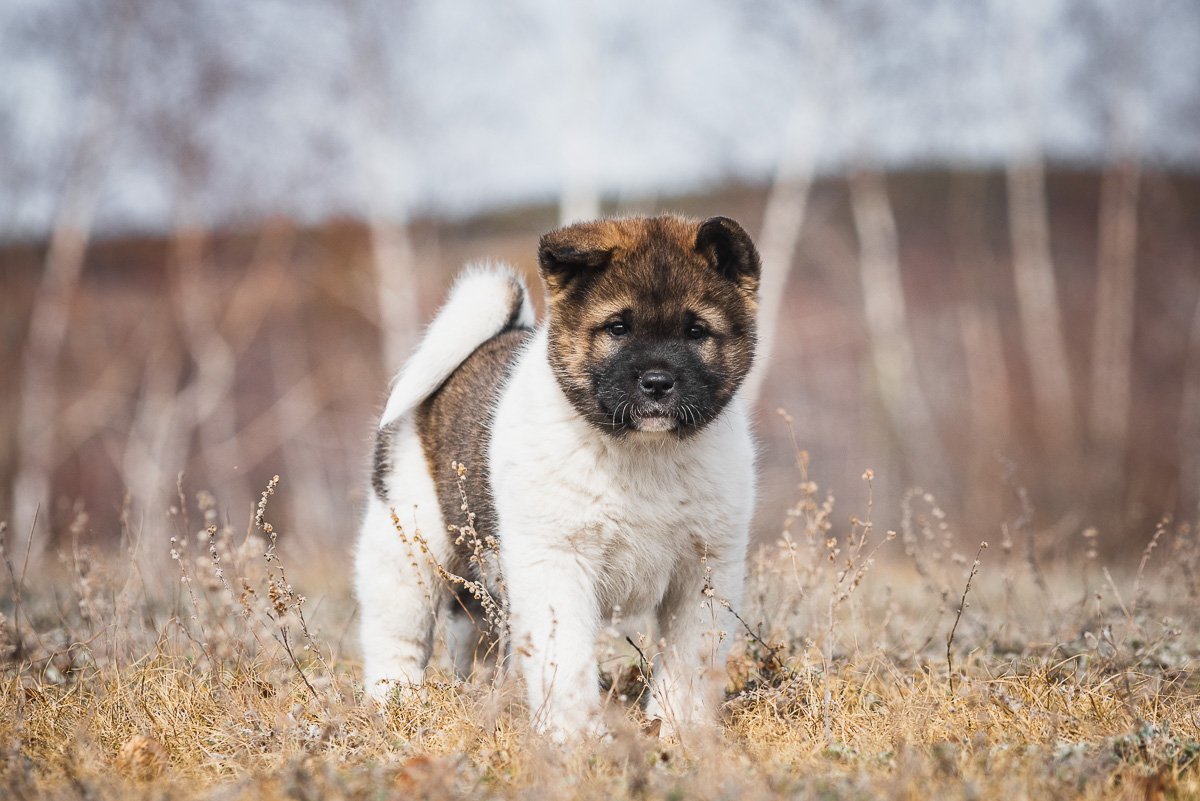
605 453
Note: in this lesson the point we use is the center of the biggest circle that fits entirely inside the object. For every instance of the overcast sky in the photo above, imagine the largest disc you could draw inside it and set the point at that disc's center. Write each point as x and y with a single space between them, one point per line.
218 112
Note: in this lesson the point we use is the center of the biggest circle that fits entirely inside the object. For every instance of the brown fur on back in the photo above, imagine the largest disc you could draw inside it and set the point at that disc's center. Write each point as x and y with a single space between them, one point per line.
454 425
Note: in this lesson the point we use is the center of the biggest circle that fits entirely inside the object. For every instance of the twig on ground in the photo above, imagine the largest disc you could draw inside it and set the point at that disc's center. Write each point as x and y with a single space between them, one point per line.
774 662
644 664
283 598
287 647
1159 530
962 604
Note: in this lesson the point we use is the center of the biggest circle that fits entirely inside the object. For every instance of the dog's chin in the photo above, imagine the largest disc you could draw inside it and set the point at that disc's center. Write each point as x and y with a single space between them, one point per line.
655 418
655 423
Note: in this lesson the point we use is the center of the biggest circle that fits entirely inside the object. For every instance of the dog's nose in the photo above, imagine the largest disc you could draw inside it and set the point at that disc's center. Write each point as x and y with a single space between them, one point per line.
657 383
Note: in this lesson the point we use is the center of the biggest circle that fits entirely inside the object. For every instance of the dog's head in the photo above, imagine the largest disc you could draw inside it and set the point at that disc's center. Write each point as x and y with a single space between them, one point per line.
652 319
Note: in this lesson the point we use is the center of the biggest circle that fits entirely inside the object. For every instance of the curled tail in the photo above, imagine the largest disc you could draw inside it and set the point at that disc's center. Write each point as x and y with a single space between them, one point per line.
486 300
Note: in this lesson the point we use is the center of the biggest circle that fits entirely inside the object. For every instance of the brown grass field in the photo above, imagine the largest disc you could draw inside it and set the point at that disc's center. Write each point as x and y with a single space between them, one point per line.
871 664
171 638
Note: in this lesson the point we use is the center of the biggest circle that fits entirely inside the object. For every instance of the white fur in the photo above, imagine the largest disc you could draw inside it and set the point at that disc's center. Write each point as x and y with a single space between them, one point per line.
587 522
397 585
476 311
396 579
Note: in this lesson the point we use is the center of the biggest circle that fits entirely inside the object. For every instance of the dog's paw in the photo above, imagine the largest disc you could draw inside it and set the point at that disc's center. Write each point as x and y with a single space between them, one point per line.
382 693
566 732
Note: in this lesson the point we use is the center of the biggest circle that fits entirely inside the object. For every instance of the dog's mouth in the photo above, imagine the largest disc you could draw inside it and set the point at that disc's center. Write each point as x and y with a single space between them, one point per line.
653 421
653 417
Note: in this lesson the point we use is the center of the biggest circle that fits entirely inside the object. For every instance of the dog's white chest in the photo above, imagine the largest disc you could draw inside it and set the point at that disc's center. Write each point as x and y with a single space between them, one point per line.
637 520
631 513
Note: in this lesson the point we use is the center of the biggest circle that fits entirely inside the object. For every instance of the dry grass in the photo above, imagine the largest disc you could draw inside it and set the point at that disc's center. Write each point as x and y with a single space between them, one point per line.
850 679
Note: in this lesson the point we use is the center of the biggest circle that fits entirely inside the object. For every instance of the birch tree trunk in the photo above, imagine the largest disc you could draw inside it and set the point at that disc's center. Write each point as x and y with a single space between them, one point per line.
383 167
1033 267
38 392
1038 307
394 263
983 346
211 412
783 221
580 196
310 498
816 29
1116 250
893 355
1189 419
1112 333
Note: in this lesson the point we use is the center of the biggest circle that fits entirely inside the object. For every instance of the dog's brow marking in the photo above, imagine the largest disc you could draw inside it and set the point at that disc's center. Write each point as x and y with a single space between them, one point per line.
603 310
713 317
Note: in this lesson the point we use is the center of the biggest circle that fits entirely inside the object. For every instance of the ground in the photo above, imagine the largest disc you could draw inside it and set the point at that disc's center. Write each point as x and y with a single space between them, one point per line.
868 664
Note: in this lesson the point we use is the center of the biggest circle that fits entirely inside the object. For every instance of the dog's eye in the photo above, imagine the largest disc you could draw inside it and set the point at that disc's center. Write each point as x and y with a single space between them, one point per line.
617 328
696 332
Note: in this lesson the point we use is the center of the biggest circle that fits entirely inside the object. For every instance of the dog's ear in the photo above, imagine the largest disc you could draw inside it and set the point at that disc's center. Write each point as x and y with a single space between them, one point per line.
573 253
728 248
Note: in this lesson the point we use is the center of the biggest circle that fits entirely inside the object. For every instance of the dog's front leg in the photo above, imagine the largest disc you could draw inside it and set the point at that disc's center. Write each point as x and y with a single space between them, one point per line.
554 620
693 620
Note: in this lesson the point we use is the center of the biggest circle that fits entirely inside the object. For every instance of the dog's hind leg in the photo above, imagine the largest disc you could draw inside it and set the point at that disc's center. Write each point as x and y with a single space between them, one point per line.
397 583
473 646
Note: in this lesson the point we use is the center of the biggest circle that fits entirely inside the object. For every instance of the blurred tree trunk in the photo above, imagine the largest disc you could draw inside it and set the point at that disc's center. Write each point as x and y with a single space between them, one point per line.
308 494
170 410
383 168
1112 333
1189 419
1038 307
580 196
37 409
1121 79
817 29
983 345
244 311
783 220
154 448
1033 266
206 410
394 265
892 352
203 412
37 446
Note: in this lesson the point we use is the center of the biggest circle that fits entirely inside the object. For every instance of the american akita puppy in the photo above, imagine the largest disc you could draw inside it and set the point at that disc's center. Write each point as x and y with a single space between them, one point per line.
606 451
